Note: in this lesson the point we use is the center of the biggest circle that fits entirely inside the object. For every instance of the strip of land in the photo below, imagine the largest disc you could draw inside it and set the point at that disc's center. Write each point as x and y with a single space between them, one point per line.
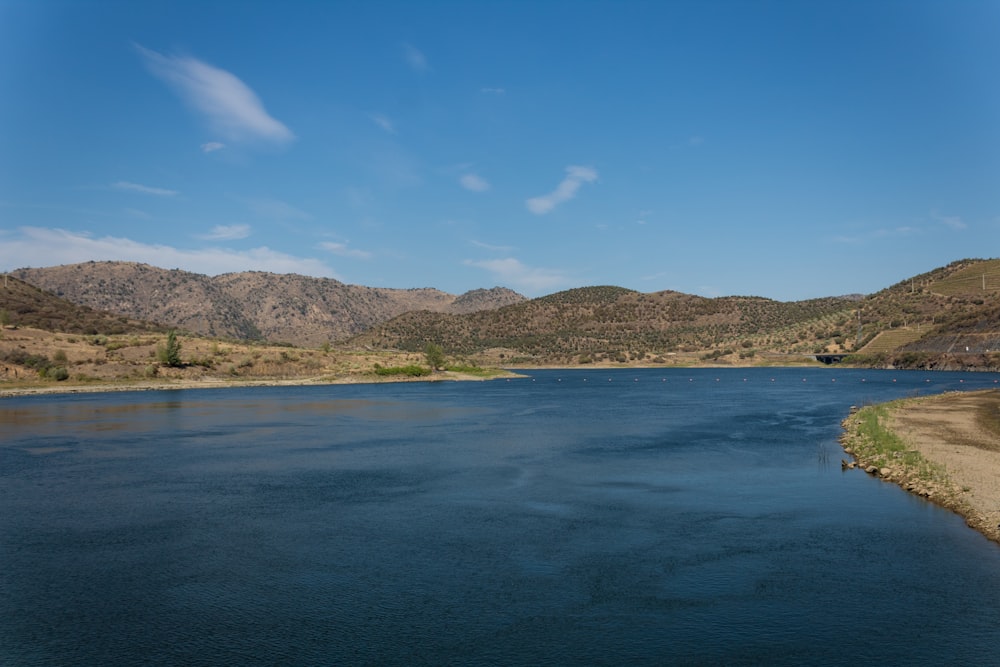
945 448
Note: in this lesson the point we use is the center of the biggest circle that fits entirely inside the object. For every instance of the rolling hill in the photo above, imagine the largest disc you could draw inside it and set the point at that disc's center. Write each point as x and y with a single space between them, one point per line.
248 306
946 318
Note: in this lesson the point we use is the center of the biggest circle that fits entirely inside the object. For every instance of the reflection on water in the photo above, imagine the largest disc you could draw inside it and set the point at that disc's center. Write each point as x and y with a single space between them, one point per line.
598 517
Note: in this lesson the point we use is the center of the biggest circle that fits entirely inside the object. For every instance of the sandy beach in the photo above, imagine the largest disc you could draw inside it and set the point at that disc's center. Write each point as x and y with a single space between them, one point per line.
958 435
207 383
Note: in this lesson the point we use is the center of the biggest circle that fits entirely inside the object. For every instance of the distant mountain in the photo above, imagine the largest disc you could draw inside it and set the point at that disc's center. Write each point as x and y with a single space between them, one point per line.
946 318
930 320
251 305
24 305
606 323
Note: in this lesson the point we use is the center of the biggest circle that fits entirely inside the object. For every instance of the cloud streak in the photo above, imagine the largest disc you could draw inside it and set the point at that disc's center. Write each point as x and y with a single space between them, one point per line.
415 58
951 221
384 122
341 250
230 107
227 233
566 190
514 274
474 183
143 189
36 246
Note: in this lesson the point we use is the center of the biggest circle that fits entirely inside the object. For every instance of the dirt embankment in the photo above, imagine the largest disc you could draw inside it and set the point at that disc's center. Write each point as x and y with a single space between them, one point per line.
948 452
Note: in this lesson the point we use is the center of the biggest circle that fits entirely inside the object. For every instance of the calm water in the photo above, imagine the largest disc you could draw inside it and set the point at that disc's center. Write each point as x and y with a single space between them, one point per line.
583 517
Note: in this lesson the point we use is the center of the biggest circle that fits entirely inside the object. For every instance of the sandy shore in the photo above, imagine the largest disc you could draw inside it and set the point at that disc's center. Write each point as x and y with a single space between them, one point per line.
160 385
958 437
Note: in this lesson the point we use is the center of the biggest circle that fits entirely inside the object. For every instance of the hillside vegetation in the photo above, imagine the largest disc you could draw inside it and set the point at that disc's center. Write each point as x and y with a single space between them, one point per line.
949 317
612 324
25 305
251 305
946 318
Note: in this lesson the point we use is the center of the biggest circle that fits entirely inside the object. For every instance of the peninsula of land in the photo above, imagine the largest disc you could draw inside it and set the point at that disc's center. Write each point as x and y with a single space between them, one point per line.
945 448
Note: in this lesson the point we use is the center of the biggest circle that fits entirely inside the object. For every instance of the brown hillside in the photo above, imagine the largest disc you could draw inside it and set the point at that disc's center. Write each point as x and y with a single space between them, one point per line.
596 324
251 305
24 305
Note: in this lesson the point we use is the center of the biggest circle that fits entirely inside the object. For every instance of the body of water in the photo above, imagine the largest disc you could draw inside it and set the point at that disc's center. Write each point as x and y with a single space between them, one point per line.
571 517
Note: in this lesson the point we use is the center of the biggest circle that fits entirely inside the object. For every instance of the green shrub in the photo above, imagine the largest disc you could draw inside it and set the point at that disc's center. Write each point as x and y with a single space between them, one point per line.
170 353
412 370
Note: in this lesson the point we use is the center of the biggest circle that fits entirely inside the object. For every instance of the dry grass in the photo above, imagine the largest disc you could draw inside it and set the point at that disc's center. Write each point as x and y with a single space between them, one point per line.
132 358
982 278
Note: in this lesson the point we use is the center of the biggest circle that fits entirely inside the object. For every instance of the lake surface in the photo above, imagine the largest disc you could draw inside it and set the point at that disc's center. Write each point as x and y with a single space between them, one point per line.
572 517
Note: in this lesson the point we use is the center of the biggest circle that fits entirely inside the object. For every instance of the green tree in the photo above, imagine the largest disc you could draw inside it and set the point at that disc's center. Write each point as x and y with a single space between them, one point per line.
170 354
434 355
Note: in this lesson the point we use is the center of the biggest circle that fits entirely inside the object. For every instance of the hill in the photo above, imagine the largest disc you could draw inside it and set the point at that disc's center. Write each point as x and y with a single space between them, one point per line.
948 317
945 318
24 305
288 308
613 324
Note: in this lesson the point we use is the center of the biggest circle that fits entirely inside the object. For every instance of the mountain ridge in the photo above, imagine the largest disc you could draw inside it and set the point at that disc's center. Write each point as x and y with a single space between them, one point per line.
249 305
929 320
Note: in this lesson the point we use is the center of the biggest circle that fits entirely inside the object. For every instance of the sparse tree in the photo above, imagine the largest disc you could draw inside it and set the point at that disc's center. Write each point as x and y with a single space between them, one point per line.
170 354
434 355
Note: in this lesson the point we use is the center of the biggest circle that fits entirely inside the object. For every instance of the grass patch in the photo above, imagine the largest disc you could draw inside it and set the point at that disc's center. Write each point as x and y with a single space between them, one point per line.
478 371
410 371
878 445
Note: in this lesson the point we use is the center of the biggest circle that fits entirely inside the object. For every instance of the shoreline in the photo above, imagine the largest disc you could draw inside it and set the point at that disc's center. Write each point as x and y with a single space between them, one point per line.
945 448
169 385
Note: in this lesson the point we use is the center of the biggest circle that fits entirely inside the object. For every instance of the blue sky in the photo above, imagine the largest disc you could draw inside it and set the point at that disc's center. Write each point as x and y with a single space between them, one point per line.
782 149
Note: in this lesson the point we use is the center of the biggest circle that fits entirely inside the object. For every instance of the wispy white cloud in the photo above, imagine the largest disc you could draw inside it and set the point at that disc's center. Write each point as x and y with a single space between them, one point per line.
952 221
136 213
487 90
566 190
144 189
212 146
474 183
696 140
277 210
881 233
384 122
415 58
36 246
341 250
227 233
494 248
514 274
231 108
